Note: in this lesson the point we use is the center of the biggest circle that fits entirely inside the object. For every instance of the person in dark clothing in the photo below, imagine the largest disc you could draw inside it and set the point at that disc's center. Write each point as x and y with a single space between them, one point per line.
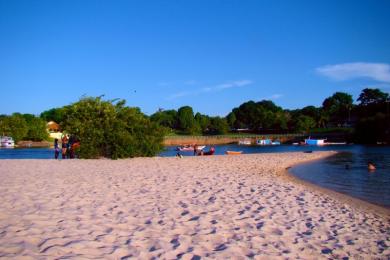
56 149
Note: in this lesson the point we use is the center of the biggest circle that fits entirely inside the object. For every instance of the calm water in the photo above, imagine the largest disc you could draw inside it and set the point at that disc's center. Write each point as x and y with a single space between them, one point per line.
332 172
347 173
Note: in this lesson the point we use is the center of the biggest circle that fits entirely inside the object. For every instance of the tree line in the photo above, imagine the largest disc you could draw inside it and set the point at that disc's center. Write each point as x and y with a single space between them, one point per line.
109 128
368 121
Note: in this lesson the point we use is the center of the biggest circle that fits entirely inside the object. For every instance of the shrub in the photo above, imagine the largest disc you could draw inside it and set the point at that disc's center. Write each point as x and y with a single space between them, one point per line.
111 130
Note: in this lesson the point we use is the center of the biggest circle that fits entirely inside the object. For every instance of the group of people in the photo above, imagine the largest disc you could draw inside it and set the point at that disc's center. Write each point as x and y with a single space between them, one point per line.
69 143
199 152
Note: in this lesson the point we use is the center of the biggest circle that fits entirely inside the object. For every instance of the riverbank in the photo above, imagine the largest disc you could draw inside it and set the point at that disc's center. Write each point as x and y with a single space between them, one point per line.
239 206
176 140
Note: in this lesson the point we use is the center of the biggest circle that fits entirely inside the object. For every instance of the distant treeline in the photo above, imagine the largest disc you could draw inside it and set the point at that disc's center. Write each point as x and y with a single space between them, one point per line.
367 120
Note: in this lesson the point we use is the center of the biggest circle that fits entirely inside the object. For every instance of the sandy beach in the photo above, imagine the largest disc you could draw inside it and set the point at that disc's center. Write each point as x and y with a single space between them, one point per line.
235 207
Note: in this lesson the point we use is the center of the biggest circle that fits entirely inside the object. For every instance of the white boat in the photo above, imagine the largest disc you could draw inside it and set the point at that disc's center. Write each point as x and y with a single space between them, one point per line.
315 141
187 148
245 142
267 142
7 142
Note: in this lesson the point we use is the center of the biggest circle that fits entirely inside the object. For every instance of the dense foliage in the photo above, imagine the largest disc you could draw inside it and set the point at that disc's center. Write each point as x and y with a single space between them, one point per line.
111 130
369 120
23 127
54 114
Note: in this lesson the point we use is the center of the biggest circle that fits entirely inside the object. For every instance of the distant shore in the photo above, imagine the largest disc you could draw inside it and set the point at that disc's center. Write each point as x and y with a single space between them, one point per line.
224 139
217 207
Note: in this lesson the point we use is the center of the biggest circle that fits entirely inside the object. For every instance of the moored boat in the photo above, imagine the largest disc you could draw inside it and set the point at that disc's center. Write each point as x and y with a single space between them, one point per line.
245 142
267 142
187 148
315 141
233 152
7 142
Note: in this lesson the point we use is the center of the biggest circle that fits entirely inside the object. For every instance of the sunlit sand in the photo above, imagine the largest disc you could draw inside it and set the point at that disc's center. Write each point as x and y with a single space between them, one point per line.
214 207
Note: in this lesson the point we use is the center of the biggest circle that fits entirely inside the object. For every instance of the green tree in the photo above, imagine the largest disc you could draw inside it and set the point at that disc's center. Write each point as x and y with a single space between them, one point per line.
14 126
231 119
338 107
372 96
111 130
167 118
305 123
203 122
36 129
187 121
218 126
259 116
54 114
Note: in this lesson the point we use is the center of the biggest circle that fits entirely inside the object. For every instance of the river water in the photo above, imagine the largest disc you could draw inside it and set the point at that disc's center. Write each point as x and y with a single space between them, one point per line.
345 172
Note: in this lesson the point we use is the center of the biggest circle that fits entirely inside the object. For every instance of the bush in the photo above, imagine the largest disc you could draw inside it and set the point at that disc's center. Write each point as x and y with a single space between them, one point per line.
111 130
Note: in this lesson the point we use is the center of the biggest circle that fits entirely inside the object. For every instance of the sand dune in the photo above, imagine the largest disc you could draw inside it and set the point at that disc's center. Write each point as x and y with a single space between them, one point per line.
234 207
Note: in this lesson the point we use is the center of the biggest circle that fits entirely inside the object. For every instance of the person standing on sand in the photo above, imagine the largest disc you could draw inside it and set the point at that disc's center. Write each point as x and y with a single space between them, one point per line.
64 144
56 149
195 149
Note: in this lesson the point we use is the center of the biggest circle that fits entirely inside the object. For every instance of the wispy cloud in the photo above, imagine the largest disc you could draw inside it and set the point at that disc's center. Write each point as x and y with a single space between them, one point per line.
272 97
215 88
345 71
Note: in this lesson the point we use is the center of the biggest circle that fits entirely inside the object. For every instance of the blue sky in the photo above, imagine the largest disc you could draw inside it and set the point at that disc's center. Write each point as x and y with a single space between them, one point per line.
211 55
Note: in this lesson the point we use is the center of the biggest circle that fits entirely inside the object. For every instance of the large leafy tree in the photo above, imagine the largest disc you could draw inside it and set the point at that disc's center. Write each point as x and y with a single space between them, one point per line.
111 130
167 118
372 96
338 107
54 114
187 121
36 128
258 116
203 122
218 126
305 123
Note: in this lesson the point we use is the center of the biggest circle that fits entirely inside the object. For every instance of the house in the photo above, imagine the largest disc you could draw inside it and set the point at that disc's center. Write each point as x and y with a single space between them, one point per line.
54 130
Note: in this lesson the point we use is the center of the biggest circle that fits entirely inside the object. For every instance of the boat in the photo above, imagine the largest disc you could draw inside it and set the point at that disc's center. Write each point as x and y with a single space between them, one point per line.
315 141
7 142
233 152
187 148
245 142
335 143
267 142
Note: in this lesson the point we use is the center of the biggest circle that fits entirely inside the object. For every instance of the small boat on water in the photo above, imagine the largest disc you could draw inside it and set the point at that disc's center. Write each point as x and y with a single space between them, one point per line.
245 142
315 141
233 152
187 148
7 142
267 142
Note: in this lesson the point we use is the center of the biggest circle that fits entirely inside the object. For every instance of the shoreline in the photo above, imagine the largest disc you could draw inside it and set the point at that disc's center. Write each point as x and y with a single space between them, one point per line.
243 206
359 204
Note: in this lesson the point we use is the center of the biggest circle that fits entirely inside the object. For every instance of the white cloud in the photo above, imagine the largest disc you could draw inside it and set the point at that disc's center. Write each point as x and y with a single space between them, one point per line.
272 97
234 84
215 88
345 71
275 96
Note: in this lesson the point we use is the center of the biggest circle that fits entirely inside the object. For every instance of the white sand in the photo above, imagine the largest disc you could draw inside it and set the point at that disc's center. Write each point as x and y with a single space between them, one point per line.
211 207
